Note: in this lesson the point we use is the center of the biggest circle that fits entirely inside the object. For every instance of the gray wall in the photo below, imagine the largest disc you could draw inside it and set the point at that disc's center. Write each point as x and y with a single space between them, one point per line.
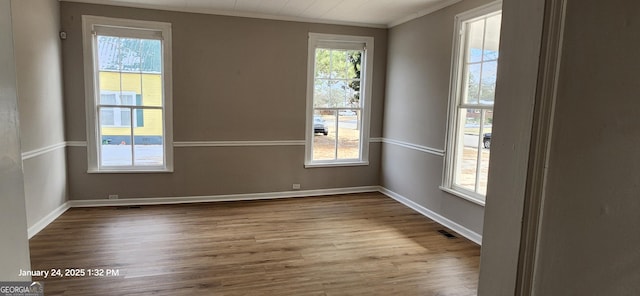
418 75
589 241
234 79
36 24
14 254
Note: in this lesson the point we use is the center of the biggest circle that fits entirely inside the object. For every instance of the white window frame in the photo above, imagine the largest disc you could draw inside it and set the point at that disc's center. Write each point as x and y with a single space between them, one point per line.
455 97
133 29
341 42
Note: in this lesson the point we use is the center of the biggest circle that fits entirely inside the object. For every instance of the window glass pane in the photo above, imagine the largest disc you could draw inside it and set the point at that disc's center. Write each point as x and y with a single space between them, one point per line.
492 38
355 64
127 99
118 98
348 134
484 156
353 94
108 99
488 84
139 113
475 34
323 62
151 56
353 73
321 94
467 148
148 139
108 48
109 87
131 84
339 64
130 55
473 83
116 146
125 117
339 91
107 117
324 131
115 117
151 90
151 74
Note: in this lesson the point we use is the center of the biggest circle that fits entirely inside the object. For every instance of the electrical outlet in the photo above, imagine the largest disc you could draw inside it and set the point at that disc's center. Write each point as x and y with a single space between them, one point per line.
113 196
296 187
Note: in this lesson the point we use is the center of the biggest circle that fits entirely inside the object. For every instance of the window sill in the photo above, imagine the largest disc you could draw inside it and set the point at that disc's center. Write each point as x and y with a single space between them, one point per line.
335 164
132 171
463 195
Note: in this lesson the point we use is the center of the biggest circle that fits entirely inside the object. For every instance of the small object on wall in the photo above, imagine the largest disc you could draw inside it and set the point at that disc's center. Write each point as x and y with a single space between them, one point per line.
63 35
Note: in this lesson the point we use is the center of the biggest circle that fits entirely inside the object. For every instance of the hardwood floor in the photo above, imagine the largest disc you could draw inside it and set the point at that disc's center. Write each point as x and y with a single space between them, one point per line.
360 244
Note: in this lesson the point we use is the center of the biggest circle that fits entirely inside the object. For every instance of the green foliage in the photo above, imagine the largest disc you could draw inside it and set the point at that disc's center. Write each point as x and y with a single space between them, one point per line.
356 63
337 74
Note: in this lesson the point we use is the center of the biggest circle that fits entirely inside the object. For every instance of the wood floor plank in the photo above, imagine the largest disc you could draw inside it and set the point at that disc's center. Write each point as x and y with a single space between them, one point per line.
358 244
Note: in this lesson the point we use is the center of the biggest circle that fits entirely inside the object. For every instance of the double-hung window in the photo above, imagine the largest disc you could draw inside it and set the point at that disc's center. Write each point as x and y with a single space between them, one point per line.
338 100
471 104
128 95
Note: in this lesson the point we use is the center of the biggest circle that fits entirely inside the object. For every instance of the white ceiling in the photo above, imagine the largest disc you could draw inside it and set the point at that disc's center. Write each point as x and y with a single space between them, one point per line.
370 13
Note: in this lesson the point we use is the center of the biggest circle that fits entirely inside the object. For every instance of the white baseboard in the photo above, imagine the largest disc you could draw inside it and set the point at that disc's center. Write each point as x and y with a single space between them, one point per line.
471 235
33 230
214 198
44 222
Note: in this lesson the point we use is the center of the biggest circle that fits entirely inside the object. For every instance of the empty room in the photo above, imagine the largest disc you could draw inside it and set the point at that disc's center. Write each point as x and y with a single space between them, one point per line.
312 147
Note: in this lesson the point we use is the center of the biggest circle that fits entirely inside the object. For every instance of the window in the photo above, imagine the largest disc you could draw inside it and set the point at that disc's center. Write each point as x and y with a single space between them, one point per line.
128 95
471 104
338 96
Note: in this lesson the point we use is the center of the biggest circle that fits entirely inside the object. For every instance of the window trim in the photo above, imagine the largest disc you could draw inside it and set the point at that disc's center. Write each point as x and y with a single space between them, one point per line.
136 29
457 65
319 39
